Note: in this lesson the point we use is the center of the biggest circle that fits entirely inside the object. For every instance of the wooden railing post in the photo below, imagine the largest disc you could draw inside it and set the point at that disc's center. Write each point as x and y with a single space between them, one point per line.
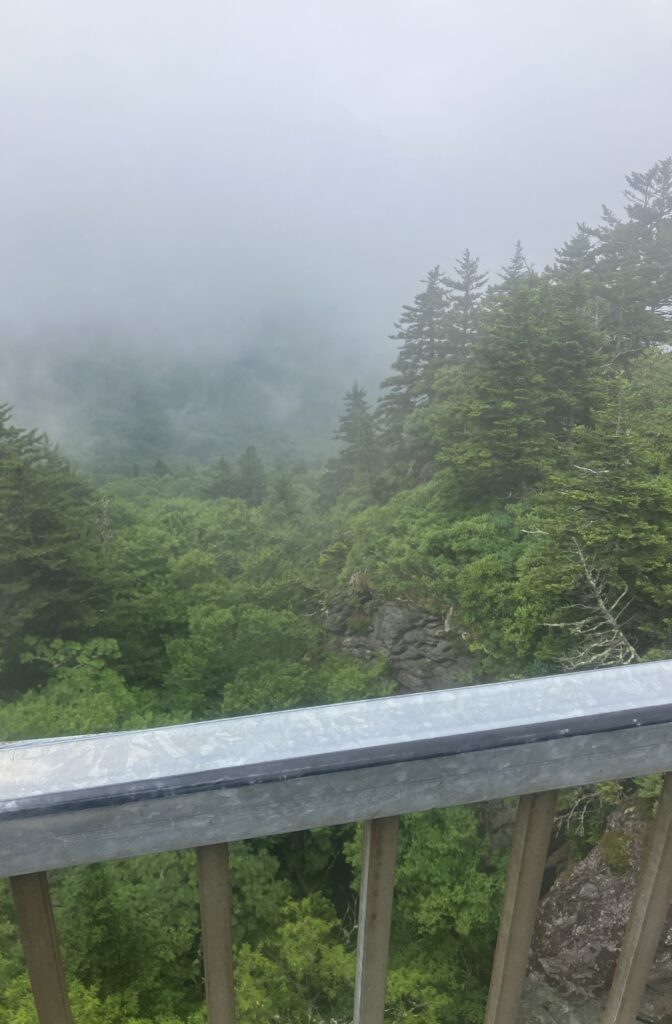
650 904
375 918
215 898
37 929
529 849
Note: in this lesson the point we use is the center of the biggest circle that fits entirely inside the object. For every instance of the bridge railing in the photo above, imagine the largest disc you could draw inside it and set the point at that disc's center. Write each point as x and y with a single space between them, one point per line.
82 800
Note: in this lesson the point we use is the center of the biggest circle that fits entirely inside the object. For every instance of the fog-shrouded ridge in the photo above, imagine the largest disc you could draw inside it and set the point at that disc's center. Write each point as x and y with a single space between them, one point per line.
249 192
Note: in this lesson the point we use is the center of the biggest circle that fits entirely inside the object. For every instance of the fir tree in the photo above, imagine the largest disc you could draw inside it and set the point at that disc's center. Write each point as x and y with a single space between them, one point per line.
598 574
422 330
576 257
528 383
356 467
649 195
516 270
465 291
633 265
48 530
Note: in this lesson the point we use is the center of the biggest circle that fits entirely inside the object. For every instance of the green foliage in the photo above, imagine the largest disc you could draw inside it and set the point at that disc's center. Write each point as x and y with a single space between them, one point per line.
355 471
302 973
423 332
274 685
448 888
251 484
649 788
84 694
131 929
401 546
525 388
448 883
615 848
222 642
464 293
53 527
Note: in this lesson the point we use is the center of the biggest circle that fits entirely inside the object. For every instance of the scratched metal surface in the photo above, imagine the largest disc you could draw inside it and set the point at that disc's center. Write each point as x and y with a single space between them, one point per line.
82 799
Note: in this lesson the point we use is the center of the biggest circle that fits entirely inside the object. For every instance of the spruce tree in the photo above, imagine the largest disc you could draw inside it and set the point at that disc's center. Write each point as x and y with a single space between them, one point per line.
515 271
50 535
528 383
357 465
576 258
465 291
632 274
649 195
597 580
495 435
422 330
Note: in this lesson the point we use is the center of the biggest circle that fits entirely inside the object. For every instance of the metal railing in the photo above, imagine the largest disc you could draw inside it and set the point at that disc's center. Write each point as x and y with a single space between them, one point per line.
86 799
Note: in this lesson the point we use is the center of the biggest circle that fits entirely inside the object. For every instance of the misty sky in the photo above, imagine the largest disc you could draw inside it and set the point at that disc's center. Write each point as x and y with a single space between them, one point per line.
217 172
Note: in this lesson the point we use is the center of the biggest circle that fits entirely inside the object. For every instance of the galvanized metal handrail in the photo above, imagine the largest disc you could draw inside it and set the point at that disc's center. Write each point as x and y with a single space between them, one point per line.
81 800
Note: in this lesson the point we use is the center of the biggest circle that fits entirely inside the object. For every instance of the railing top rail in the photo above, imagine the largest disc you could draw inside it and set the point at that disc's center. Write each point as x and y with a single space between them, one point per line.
69 772
78 800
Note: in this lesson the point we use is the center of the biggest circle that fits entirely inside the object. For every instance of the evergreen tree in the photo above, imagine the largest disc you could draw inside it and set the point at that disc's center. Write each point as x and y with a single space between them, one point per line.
649 195
495 438
633 265
650 204
356 432
49 537
251 477
422 330
357 465
576 257
570 360
528 383
515 271
597 579
465 291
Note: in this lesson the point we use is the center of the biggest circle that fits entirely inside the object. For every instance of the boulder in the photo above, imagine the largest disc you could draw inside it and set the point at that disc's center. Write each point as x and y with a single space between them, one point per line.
424 652
579 930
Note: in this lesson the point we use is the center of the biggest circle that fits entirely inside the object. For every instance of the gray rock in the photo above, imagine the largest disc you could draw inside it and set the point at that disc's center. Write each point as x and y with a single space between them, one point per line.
424 652
579 930
544 1005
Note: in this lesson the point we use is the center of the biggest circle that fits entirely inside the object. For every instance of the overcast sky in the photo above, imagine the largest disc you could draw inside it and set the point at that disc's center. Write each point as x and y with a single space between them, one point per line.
222 170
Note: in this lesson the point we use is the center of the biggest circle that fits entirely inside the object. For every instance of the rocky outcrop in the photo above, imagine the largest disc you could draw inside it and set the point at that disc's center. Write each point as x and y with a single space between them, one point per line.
580 926
424 652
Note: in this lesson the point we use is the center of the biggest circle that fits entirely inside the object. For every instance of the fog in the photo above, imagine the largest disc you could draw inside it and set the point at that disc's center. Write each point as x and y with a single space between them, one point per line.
231 176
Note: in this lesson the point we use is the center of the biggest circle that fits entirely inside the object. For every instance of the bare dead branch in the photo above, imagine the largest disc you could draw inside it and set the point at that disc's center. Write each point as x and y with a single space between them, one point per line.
599 637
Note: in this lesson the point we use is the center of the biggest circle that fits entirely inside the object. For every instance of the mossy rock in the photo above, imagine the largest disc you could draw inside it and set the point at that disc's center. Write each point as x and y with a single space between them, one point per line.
358 623
615 848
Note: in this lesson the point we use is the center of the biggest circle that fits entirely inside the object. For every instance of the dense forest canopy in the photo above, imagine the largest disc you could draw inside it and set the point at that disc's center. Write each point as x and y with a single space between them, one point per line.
514 477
